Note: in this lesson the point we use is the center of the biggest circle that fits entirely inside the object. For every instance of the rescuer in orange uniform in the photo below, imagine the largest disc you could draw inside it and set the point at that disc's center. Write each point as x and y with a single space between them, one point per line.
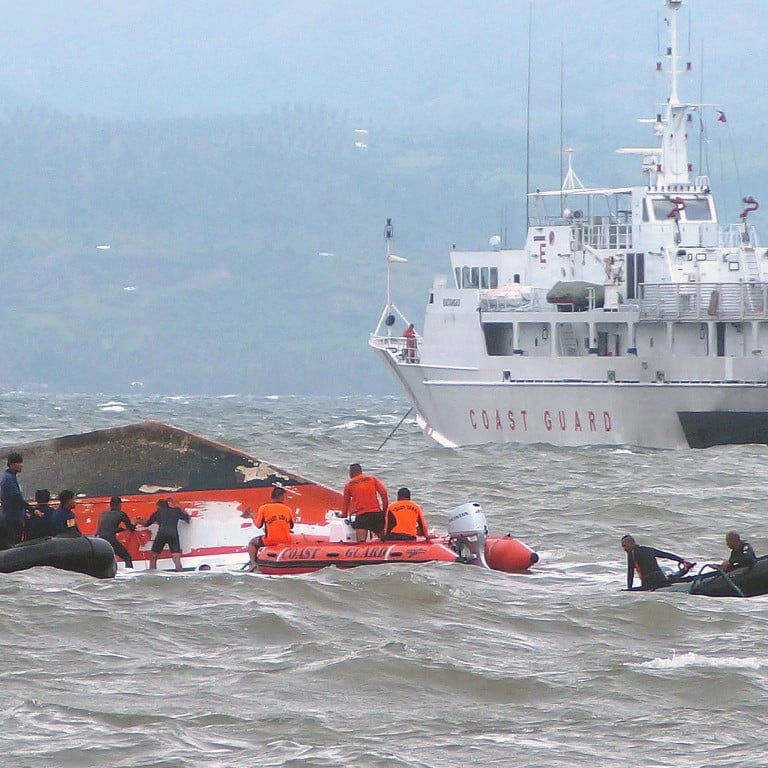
365 497
277 519
404 520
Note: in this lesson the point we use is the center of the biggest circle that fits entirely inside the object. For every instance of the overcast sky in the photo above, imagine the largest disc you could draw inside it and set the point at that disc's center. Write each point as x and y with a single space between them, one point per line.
442 60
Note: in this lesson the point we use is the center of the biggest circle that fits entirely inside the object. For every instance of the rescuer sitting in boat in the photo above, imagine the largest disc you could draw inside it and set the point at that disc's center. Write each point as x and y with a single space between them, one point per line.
404 520
63 522
366 498
110 522
277 520
643 561
742 554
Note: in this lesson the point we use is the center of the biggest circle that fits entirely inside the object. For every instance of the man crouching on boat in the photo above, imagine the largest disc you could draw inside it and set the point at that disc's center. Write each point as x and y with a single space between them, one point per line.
277 520
643 561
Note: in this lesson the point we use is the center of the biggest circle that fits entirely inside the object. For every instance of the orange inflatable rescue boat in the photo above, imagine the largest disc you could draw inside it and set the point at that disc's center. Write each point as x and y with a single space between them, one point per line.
466 542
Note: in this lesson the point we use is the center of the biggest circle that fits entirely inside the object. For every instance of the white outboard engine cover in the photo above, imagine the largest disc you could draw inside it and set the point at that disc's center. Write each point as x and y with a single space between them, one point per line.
467 529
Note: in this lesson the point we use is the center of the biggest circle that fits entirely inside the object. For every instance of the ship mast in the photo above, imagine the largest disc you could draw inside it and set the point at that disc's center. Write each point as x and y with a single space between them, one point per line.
673 169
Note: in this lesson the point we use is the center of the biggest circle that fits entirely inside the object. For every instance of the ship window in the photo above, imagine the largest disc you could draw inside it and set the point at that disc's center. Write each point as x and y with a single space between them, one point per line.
733 266
697 209
494 277
662 208
475 279
484 277
645 210
458 277
464 277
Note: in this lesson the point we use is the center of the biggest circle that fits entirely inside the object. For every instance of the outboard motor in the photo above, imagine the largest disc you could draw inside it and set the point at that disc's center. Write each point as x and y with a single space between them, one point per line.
467 530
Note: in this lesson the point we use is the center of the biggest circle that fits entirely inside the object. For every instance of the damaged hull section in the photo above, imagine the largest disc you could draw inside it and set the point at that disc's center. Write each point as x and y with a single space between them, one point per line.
144 462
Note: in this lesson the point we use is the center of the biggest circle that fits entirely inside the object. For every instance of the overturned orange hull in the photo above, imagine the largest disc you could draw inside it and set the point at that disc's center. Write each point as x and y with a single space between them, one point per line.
216 484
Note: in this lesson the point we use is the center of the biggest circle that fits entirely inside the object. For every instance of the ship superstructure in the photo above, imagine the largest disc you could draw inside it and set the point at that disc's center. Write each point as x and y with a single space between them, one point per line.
629 316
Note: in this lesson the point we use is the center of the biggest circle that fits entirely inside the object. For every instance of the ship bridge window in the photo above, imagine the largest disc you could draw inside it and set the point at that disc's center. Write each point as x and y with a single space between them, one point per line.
477 277
697 209
694 208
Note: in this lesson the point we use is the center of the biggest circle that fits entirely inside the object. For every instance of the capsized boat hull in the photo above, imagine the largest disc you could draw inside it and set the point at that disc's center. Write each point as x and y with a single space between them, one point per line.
218 485
82 554
743 582
215 483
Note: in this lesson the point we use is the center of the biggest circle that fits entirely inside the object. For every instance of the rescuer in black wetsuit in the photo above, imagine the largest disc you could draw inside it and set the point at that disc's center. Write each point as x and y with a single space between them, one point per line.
742 553
643 560
109 525
167 519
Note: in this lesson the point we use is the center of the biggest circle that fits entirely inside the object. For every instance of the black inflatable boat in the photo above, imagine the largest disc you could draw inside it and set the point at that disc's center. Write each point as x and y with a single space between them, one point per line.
82 554
750 581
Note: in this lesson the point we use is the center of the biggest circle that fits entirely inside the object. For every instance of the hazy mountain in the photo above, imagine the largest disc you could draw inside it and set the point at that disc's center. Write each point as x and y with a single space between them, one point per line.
211 146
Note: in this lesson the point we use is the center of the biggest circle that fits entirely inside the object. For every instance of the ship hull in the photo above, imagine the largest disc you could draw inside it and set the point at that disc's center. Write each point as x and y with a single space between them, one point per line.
460 407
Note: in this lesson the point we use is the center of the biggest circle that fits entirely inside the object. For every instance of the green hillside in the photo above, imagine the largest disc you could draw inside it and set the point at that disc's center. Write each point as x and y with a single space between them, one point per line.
245 254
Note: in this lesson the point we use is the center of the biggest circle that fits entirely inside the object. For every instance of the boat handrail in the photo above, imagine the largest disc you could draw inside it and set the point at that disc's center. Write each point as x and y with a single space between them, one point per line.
704 301
732 236
398 347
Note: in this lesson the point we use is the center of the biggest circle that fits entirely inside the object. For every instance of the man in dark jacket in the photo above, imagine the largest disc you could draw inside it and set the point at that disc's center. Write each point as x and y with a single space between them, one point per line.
12 499
742 553
37 520
63 522
643 561
110 523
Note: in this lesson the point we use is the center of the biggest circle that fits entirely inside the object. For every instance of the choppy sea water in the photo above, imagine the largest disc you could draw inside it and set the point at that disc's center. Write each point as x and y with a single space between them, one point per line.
440 665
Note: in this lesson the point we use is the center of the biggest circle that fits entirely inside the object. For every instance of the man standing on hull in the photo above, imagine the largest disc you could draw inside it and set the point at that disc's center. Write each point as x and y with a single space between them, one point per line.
167 520
110 523
12 499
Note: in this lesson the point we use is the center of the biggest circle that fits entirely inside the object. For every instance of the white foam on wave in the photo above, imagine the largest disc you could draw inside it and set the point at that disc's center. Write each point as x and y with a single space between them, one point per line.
354 424
698 660
112 407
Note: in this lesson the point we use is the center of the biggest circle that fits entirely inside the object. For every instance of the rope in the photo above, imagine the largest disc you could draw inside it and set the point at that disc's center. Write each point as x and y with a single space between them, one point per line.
698 577
407 414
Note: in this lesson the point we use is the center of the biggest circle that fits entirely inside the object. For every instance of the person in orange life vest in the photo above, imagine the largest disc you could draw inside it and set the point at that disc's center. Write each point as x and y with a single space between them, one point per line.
277 520
404 519
365 497
410 343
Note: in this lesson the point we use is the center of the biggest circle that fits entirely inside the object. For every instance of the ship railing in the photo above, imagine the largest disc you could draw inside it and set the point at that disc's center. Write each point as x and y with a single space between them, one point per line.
732 236
402 349
704 301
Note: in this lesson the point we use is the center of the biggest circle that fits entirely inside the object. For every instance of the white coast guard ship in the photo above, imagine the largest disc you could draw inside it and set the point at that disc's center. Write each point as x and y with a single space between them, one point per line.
631 316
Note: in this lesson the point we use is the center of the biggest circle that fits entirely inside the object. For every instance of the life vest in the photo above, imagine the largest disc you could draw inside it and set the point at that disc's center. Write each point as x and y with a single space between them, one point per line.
361 492
277 520
403 517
